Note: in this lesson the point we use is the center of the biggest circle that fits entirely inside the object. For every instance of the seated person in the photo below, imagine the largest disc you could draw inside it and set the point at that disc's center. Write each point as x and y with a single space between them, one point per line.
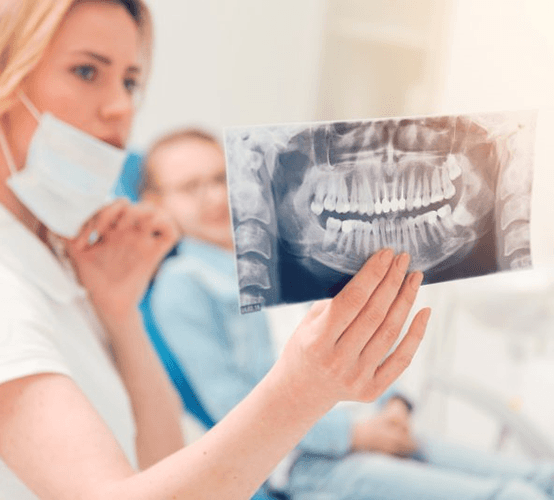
225 354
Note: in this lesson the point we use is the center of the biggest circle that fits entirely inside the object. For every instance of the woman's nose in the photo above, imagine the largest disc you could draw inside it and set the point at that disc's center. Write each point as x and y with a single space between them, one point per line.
118 104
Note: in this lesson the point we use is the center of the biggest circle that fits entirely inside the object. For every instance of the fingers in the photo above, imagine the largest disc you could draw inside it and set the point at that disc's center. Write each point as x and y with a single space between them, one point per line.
401 357
407 446
162 227
398 436
396 409
346 306
390 328
396 443
145 234
377 310
316 309
122 220
100 222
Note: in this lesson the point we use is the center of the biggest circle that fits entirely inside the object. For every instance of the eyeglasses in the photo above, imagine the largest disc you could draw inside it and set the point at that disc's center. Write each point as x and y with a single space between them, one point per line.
197 187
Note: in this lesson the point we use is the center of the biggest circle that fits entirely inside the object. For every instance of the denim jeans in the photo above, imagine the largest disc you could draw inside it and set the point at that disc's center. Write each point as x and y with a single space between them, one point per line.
439 471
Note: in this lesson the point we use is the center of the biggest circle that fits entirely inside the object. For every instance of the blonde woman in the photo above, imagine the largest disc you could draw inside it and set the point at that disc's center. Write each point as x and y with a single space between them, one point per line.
86 410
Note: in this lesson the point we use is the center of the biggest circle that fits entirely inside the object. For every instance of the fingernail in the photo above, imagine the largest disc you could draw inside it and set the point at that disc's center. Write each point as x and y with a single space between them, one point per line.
416 279
403 260
386 256
93 237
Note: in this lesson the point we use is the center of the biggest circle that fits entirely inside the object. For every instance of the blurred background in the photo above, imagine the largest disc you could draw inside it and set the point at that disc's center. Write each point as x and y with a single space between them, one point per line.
489 353
237 62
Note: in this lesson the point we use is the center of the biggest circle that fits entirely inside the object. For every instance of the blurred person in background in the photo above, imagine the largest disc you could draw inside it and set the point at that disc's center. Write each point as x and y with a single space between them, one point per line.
224 354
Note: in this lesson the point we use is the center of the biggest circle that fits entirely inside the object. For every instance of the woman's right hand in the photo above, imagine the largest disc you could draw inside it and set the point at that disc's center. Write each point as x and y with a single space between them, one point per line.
339 351
117 267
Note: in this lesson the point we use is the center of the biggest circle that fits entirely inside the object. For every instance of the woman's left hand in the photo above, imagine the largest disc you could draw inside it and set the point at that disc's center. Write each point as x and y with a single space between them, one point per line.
117 267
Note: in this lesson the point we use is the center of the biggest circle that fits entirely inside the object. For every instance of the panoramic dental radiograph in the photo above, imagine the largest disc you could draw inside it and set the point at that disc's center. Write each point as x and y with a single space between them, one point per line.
311 203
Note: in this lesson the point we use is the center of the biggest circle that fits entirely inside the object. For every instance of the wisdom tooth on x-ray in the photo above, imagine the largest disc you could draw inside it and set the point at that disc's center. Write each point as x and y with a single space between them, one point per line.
312 202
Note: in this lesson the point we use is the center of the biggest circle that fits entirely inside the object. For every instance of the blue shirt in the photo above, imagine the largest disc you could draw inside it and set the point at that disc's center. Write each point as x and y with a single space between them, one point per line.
224 354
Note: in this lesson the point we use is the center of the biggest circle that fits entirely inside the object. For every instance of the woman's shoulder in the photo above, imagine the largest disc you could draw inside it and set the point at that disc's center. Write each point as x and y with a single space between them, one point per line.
12 284
26 340
18 297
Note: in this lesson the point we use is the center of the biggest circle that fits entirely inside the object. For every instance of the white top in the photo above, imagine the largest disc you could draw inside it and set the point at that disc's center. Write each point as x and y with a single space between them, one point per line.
48 325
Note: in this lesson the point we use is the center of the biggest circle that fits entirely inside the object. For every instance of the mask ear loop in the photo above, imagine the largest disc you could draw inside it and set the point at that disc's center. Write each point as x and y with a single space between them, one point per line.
29 105
7 153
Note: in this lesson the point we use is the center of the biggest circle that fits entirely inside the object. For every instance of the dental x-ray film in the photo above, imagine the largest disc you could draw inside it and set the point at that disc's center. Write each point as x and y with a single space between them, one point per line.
312 202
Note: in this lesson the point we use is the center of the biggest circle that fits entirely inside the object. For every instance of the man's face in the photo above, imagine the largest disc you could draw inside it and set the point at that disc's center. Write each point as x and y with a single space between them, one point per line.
190 177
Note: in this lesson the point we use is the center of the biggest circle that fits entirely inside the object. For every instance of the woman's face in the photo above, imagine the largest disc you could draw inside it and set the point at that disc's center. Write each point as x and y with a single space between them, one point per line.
87 77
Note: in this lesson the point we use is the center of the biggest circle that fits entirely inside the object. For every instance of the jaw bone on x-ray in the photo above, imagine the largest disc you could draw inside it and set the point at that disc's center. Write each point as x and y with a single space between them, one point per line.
311 202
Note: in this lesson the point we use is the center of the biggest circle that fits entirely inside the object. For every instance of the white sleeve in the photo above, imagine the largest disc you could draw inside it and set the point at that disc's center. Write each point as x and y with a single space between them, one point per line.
26 345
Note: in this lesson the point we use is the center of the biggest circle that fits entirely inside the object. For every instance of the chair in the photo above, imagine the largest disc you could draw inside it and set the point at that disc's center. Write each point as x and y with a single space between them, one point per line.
188 396
127 186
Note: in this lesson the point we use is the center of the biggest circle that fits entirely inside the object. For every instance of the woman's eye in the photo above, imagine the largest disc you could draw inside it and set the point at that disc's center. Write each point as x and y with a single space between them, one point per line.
85 72
131 84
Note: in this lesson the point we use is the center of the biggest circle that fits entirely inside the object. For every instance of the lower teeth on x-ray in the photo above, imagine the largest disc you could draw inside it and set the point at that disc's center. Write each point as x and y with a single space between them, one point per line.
312 202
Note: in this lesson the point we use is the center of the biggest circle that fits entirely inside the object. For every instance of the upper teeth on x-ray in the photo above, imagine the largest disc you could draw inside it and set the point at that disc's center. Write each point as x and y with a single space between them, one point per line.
312 202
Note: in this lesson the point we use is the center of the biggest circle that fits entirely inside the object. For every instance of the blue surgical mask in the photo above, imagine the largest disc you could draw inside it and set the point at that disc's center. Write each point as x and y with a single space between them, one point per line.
68 175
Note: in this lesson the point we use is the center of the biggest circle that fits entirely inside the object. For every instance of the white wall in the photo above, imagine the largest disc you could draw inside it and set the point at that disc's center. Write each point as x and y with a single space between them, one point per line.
230 62
500 56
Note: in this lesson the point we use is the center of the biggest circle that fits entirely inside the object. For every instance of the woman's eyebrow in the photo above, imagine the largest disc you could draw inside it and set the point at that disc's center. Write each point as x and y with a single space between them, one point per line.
94 55
106 60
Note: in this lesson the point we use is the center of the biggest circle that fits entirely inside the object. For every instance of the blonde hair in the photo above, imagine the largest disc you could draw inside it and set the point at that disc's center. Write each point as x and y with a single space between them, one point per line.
28 26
